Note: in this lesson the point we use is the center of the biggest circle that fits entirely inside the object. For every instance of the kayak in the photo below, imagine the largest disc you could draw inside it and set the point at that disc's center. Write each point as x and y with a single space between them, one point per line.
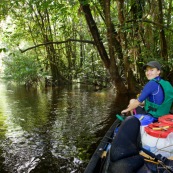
97 160
121 146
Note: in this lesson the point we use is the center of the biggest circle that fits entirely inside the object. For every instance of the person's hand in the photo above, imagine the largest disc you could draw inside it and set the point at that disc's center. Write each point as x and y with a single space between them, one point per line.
134 103
125 111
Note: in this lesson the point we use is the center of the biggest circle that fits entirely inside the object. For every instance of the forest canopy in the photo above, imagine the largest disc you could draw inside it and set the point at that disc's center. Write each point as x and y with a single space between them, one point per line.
99 42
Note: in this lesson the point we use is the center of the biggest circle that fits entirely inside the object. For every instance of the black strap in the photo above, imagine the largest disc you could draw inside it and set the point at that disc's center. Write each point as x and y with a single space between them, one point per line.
151 109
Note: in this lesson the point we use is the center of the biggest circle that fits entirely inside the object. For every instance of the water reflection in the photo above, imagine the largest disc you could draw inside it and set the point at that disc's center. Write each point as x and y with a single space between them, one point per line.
50 130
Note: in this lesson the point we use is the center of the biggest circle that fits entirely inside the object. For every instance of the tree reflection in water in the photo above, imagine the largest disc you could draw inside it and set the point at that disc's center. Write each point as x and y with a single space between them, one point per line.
52 130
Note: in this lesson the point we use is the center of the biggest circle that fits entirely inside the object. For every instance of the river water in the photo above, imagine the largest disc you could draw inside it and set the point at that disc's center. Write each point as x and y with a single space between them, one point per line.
52 130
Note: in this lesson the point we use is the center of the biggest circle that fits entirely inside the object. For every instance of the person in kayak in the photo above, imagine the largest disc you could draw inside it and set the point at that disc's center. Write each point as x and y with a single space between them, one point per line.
157 95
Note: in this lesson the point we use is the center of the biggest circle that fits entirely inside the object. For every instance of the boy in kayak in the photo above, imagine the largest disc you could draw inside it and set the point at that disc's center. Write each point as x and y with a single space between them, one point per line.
157 95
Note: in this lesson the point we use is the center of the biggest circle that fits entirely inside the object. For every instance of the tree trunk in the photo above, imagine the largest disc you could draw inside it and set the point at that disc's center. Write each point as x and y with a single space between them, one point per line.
109 63
57 78
163 43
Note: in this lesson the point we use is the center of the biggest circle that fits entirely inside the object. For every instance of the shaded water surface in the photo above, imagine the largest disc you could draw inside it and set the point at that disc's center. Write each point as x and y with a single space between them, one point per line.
51 131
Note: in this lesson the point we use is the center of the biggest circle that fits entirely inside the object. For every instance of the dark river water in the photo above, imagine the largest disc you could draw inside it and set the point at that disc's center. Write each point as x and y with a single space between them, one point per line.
52 130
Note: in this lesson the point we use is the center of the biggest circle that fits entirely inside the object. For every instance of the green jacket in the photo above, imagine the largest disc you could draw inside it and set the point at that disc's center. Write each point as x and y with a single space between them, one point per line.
163 109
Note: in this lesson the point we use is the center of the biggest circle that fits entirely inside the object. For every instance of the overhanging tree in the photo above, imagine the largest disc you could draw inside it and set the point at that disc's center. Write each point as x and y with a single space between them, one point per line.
125 33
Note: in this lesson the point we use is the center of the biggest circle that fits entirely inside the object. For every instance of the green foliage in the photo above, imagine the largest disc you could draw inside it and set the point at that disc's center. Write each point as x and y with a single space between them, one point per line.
93 70
3 50
33 22
22 68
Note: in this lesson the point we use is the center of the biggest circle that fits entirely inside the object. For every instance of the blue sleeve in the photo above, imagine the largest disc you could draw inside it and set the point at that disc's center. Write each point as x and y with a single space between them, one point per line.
148 89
